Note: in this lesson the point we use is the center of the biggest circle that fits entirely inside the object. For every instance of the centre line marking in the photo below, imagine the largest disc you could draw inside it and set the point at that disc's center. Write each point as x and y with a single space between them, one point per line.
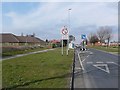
89 62
110 62
99 62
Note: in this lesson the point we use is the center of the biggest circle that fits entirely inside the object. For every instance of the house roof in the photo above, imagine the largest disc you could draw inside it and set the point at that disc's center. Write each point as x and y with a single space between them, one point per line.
28 39
8 37
11 38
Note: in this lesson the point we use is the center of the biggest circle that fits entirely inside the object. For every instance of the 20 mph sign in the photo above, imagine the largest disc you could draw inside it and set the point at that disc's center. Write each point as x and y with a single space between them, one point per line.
64 33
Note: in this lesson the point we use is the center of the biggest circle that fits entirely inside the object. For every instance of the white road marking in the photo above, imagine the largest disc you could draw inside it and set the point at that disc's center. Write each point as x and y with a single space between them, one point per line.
89 62
85 58
80 61
99 62
110 62
78 68
113 63
105 65
91 52
116 63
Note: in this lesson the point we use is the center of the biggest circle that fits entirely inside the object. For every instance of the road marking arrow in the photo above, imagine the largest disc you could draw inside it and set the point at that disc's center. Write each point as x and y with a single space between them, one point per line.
100 66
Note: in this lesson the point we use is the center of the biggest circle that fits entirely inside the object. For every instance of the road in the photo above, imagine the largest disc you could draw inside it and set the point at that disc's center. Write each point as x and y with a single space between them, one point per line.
95 69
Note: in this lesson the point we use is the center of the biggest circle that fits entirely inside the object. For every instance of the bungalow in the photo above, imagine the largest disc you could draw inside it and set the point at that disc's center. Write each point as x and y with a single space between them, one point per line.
28 40
9 39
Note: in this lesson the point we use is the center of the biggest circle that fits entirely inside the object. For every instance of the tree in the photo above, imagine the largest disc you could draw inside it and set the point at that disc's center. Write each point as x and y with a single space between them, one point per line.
108 34
93 38
101 34
104 33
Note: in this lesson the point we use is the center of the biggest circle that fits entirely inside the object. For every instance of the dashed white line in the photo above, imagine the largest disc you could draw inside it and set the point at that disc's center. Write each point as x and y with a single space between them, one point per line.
99 62
110 62
89 62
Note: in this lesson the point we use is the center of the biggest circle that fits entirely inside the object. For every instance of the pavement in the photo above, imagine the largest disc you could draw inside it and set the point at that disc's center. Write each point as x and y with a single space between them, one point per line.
95 69
20 55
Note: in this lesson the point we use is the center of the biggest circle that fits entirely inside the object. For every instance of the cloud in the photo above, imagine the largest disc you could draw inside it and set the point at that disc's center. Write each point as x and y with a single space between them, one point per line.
60 0
47 20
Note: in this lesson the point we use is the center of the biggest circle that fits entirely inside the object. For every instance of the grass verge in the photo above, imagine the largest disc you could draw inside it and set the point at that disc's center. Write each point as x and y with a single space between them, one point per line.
0 75
110 49
42 70
15 52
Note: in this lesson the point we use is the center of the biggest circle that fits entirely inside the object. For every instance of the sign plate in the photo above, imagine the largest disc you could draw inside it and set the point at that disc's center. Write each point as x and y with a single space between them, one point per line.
83 36
64 36
64 33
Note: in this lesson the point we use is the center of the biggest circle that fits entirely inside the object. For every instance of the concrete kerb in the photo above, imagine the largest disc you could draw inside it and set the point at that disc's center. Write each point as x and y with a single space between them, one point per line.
72 77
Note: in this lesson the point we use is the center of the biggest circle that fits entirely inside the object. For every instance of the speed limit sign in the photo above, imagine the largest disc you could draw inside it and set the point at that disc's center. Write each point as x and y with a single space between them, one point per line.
65 36
64 31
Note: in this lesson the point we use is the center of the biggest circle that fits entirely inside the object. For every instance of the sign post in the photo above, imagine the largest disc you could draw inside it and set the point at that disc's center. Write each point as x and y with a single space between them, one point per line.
62 46
83 37
65 36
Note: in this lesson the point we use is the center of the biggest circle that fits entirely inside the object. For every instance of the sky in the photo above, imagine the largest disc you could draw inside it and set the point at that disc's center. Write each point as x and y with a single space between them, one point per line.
46 19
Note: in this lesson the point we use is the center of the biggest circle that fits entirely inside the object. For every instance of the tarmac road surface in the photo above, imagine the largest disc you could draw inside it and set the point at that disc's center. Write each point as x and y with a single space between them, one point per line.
95 69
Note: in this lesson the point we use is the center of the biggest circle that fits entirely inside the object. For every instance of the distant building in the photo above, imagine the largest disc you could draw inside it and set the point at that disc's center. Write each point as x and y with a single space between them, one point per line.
114 43
54 41
9 39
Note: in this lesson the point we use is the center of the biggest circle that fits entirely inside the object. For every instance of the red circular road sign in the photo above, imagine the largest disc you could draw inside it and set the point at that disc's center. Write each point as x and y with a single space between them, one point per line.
64 31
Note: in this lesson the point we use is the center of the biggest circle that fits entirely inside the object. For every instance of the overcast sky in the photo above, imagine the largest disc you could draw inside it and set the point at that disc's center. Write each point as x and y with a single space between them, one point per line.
46 19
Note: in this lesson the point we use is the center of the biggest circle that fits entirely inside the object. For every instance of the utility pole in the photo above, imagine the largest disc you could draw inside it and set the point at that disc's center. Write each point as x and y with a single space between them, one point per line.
69 29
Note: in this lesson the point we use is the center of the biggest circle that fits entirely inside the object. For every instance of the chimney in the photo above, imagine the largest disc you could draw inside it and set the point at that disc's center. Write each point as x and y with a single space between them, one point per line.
33 34
21 34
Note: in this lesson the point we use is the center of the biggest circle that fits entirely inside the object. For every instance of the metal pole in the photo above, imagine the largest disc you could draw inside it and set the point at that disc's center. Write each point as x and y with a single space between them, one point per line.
69 17
69 30
67 46
62 46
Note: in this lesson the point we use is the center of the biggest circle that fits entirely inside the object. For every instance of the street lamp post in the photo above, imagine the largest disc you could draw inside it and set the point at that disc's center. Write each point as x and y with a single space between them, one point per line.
68 28
69 17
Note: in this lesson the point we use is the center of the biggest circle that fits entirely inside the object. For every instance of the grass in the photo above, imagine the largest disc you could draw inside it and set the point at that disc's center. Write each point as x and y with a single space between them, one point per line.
111 49
15 52
0 74
42 70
